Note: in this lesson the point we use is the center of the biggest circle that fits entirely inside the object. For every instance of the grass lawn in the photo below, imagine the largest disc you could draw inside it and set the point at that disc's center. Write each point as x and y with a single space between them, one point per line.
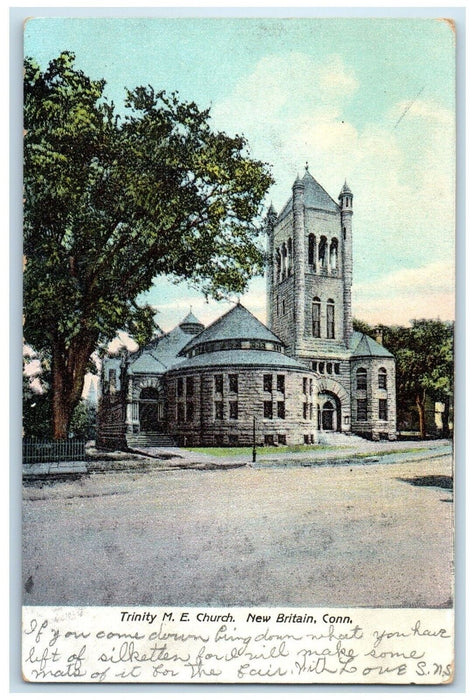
231 451
236 451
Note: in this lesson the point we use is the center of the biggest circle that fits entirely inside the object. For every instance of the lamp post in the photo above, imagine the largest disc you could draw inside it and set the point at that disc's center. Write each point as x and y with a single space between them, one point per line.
254 439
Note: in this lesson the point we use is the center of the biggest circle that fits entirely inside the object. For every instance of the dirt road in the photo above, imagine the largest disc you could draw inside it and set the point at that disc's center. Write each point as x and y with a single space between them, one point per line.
361 535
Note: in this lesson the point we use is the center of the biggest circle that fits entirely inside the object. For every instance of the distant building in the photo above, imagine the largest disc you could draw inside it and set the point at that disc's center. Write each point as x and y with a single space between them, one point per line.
306 373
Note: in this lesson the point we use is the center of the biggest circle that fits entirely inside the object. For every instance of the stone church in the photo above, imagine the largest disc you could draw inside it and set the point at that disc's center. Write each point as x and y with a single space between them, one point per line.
304 374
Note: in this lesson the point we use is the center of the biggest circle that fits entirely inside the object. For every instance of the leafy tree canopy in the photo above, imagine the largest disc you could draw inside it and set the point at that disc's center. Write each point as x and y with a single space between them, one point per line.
424 355
111 202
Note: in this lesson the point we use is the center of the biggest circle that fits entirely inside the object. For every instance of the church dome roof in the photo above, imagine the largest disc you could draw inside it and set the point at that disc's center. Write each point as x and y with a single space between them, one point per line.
237 324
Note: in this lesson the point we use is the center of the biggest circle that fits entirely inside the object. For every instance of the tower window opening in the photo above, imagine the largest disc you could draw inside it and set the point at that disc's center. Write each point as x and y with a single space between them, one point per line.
344 233
322 251
316 318
289 264
330 319
382 378
334 254
278 266
347 201
312 243
285 262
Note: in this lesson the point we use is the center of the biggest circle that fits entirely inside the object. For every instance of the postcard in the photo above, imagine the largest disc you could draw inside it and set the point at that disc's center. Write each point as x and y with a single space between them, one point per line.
239 307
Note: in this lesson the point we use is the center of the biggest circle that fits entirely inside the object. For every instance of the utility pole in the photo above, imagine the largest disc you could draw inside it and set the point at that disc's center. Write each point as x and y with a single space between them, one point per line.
254 439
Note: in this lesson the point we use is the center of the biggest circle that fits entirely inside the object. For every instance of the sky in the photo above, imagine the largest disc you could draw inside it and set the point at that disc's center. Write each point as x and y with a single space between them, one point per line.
371 101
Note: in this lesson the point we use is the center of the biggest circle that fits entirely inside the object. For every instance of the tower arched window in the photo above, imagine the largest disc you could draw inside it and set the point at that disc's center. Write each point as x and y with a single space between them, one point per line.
347 201
323 251
312 244
278 266
334 254
316 318
330 319
344 233
382 378
285 261
289 246
361 378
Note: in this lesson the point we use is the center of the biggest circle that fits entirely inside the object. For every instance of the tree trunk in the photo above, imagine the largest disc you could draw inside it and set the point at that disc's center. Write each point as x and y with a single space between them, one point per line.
68 372
445 418
422 415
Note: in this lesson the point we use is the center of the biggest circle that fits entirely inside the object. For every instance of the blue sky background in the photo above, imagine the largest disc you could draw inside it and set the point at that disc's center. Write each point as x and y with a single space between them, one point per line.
369 100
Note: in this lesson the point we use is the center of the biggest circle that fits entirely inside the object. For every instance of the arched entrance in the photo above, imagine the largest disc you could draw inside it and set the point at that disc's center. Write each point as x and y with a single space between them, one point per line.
149 410
329 412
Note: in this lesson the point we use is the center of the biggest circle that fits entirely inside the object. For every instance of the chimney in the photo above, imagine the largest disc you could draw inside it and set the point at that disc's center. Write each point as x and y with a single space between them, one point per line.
378 334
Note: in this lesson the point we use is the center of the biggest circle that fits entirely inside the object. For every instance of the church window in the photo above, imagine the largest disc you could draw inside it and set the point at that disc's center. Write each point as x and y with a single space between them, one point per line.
321 368
310 386
267 382
344 233
330 318
361 409
278 266
283 307
322 251
233 383
285 261
282 439
268 440
280 409
233 410
304 411
310 408
180 413
218 410
289 244
334 254
316 318
347 201
268 409
305 385
382 378
383 409
278 305
337 368
189 386
190 410
329 368
281 383
112 381
311 249
361 378
179 387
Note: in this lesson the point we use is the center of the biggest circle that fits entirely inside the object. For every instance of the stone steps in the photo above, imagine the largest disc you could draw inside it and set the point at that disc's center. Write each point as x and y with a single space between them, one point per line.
150 440
340 439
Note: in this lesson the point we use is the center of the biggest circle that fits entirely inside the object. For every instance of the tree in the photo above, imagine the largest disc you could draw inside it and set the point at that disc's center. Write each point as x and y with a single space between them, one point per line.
424 355
111 202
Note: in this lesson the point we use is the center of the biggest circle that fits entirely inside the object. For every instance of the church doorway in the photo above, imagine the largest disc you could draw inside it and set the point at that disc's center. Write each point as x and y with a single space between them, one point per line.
150 407
329 412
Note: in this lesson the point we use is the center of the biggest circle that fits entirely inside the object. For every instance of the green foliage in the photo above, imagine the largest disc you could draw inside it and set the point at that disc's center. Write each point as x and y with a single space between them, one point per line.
83 421
424 355
110 203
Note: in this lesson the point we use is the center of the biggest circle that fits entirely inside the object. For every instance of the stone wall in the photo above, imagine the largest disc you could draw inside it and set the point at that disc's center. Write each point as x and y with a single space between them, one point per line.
374 427
206 427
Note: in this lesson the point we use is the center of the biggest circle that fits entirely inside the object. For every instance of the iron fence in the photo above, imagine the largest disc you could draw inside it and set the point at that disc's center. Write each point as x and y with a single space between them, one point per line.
36 450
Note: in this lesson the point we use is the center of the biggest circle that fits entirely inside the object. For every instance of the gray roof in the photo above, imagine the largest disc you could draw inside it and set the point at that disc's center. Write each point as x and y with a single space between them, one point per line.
314 197
362 345
239 358
191 318
160 354
237 324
